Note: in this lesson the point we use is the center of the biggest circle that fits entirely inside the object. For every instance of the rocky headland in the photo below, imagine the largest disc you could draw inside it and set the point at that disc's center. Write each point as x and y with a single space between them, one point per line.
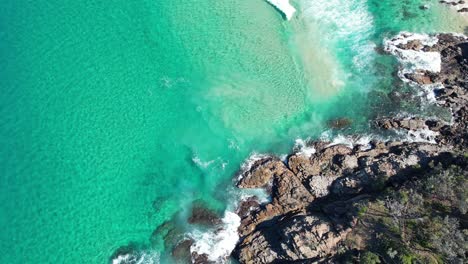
317 196
401 200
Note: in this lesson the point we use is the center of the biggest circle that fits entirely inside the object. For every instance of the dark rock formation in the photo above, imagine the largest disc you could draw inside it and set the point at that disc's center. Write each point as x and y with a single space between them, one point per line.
181 252
203 216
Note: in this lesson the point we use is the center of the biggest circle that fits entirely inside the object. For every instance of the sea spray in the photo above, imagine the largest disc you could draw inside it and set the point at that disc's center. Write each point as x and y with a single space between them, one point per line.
249 162
302 147
351 141
218 244
140 257
416 60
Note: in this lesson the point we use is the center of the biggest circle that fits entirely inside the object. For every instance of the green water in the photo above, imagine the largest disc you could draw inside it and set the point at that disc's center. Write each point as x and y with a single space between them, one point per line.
116 115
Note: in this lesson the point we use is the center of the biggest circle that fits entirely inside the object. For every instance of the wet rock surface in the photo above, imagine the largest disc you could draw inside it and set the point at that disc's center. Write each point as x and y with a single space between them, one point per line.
314 198
202 215
181 252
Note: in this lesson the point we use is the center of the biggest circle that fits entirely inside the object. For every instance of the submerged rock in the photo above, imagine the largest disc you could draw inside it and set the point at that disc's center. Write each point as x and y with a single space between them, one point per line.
181 252
201 215
339 123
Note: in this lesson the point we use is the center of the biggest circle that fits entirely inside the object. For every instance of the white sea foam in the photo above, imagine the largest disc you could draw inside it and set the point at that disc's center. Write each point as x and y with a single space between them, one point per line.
285 7
224 164
344 26
143 257
219 241
233 144
218 244
303 149
350 141
428 91
421 135
413 61
262 196
424 135
200 163
248 163
346 17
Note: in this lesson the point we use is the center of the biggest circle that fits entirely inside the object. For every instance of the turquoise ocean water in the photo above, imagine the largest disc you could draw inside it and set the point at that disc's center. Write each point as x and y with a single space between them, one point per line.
117 115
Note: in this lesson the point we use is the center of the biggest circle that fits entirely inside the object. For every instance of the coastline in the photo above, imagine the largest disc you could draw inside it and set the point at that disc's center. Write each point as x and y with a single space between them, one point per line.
302 184
314 195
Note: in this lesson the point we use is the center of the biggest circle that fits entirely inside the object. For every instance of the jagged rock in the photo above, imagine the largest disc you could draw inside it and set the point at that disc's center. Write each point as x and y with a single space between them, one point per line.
262 172
320 161
290 193
246 206
319 185
290 239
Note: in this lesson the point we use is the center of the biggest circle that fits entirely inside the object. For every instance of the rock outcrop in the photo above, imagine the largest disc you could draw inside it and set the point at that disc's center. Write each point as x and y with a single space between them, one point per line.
314 198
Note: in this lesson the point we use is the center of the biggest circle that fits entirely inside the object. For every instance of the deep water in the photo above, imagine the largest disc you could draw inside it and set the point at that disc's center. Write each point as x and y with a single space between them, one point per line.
117 115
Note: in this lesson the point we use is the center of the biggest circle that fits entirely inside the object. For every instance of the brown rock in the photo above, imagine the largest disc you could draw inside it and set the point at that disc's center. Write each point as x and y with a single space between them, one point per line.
291 239
261 174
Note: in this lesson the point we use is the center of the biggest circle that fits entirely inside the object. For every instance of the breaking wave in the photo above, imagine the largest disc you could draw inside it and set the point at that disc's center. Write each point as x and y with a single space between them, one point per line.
140 257
218 243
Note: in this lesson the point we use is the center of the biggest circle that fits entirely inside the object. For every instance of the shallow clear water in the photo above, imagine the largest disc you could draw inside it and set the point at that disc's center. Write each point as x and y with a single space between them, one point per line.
118 115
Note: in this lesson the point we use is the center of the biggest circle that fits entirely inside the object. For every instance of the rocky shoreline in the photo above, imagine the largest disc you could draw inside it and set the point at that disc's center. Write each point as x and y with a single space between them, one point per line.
315 197
460 5
320 193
